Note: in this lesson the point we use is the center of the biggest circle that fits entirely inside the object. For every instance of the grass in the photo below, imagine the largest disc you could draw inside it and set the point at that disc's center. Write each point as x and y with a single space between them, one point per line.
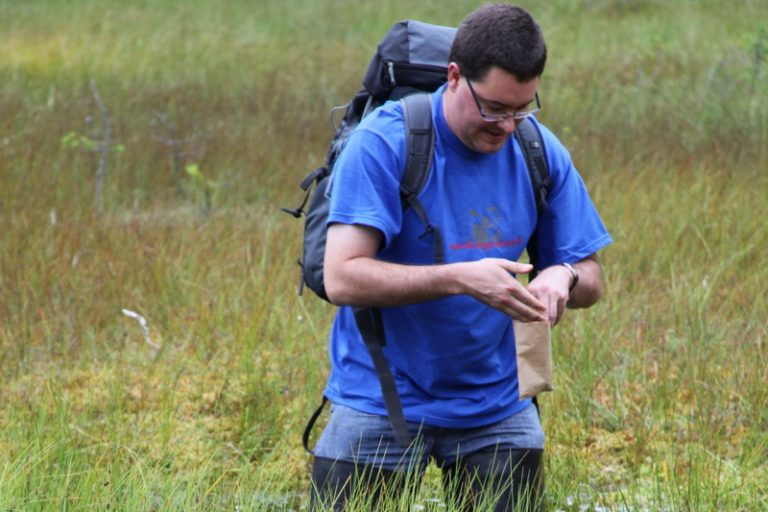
660 400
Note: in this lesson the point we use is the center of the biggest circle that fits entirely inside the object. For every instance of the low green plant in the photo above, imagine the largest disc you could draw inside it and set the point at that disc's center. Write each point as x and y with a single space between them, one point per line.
203 187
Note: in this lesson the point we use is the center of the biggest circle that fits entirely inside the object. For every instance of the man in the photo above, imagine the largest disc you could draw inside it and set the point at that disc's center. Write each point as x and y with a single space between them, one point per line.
448 327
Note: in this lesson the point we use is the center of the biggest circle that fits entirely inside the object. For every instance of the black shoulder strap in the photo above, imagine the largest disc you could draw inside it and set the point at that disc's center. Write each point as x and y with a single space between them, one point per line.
420 142
420 147
533 149
530 141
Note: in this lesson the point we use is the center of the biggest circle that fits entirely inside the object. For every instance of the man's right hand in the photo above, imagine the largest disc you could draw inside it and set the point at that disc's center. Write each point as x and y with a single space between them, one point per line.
490 281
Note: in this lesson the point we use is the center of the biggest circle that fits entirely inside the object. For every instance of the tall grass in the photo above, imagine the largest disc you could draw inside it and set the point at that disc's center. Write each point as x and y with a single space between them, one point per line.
661 399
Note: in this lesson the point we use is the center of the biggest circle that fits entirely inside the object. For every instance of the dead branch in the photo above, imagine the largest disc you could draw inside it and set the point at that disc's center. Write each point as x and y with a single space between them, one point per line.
102 147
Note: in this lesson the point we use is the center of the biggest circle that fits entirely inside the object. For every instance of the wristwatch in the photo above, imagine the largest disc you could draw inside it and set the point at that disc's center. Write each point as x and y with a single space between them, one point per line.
574 276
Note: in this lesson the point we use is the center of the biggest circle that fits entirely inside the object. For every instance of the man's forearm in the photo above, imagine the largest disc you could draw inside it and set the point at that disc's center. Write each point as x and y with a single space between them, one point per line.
368 282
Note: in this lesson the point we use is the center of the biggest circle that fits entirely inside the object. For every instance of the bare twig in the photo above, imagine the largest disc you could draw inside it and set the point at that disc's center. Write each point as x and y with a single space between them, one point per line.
103 147
182 148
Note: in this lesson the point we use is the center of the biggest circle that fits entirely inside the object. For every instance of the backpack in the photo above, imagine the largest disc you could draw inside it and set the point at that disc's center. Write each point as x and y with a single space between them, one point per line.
410 62
411 58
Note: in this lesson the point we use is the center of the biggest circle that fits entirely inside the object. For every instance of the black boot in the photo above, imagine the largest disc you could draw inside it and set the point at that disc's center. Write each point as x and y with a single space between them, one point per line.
333 482
514 478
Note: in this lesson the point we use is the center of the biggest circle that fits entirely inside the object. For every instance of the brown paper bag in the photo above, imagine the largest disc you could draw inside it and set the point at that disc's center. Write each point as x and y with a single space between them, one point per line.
534 357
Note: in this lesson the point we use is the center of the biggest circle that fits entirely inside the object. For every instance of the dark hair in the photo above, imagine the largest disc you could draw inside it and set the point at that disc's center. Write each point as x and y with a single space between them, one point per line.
500 35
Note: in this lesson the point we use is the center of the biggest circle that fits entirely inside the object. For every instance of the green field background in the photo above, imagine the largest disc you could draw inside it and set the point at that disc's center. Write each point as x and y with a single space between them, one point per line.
214 111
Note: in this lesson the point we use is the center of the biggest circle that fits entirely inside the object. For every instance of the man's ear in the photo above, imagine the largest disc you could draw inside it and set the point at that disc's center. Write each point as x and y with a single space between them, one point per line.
454 75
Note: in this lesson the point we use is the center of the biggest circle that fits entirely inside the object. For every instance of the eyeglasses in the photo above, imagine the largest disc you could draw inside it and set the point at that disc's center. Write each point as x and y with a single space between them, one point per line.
502 116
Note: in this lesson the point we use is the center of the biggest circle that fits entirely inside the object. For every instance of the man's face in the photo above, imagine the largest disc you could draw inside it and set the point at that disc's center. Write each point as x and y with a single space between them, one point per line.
498 92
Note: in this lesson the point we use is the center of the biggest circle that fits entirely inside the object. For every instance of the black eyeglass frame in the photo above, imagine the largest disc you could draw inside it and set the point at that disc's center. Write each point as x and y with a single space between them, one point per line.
497 118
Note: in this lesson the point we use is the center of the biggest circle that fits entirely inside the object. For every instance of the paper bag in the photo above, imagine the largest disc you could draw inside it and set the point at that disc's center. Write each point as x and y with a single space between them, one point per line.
534 357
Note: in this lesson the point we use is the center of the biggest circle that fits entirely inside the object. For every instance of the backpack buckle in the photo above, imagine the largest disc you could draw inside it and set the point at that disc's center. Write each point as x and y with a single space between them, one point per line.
391 73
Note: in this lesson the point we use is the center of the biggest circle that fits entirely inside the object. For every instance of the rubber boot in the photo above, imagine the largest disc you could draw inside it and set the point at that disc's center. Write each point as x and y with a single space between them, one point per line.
334 481
513 478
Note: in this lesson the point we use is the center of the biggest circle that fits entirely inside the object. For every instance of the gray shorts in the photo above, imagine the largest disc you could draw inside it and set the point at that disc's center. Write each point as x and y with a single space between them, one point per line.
367 439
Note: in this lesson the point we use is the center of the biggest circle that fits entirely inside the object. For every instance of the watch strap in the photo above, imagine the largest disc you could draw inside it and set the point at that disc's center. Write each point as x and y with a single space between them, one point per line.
574 276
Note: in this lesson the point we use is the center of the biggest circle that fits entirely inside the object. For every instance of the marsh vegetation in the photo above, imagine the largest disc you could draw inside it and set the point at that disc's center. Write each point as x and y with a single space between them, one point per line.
216 110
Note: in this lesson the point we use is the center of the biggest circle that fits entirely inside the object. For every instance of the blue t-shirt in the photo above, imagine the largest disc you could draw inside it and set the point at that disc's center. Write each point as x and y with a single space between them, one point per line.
453 359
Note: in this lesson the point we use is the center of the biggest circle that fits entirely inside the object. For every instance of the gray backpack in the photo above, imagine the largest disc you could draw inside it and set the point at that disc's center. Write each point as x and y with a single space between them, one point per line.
411 58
